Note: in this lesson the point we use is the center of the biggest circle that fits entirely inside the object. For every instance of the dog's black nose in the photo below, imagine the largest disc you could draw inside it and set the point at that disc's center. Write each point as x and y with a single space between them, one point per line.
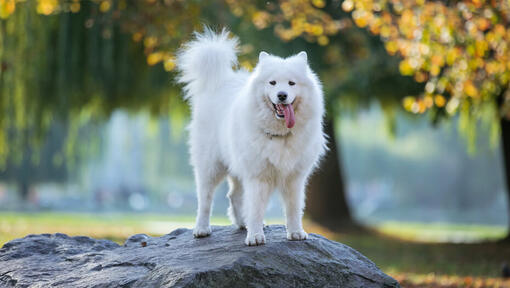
282 96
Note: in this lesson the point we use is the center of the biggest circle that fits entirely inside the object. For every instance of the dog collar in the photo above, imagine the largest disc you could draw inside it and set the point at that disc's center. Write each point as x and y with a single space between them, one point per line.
272 135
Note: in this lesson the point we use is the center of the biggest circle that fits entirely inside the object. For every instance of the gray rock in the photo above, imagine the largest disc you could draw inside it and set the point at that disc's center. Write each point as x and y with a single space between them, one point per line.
179 260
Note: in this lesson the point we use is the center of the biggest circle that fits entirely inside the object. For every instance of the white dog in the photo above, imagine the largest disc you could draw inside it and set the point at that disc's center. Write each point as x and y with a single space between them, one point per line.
263 129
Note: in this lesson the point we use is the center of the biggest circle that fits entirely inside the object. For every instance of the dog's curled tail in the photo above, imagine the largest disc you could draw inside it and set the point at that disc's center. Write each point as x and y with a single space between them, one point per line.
206 61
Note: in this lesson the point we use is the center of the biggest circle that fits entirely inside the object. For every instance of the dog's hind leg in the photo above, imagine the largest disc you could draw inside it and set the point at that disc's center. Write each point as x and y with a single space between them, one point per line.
235 196
206 182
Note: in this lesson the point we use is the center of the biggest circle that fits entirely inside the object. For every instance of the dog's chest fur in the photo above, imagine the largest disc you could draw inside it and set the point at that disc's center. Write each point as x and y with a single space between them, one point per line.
279 156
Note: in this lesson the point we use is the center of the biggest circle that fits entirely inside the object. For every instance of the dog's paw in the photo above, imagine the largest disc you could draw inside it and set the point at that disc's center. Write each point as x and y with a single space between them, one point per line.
297 236
200 232
255 239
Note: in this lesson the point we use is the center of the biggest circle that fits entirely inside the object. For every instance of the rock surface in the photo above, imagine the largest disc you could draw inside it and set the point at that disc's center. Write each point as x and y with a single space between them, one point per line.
179 260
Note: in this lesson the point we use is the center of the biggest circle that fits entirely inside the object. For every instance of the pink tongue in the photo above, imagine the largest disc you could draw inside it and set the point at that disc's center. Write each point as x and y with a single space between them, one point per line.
288 111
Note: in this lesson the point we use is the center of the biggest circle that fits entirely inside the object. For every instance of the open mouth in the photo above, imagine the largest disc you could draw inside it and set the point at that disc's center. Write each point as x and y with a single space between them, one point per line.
278 110
285 111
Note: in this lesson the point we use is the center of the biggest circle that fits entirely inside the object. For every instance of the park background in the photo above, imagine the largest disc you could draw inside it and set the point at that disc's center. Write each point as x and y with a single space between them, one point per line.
93 127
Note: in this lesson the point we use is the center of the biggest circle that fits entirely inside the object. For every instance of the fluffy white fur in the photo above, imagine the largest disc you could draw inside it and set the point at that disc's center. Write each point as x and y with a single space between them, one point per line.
235 133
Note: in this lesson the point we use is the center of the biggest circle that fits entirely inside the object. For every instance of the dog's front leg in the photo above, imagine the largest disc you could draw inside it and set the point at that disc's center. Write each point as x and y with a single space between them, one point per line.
293 194
256 197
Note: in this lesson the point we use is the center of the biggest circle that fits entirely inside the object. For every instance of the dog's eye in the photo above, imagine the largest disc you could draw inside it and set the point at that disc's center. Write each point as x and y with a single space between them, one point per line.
292 83
272 82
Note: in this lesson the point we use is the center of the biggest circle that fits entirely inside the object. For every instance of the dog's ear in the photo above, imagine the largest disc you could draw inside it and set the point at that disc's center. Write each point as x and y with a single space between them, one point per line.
263 55
302 55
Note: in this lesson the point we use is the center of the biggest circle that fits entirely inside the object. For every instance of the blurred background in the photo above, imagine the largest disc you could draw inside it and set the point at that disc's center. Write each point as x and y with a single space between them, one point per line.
93 128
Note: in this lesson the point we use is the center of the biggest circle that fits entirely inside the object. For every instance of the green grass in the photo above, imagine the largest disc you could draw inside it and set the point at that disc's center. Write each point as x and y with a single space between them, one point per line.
400 256
411 252
114 226
442 232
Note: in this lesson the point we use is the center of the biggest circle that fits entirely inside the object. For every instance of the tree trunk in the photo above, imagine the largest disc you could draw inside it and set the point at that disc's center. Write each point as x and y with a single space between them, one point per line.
326 202
505 145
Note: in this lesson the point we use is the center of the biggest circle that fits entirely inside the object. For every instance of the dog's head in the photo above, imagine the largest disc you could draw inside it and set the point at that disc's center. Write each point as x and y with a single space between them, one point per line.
288 88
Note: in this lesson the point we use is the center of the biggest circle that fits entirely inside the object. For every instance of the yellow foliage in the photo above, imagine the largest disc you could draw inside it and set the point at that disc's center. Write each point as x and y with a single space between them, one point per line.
439 100
451 56
408 102
406 68
323 40
306 18
463 42
47 7
385 31
434 70
169 64
319 3
74 7
428 101
420 77
437 60
246 65
316 30
391 47
422 107
150 41
7 7
361 18
105 6
154 58
261 19
470 89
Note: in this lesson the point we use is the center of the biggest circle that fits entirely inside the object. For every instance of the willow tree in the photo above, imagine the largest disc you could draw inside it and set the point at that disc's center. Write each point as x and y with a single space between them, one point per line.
65 66
68 64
